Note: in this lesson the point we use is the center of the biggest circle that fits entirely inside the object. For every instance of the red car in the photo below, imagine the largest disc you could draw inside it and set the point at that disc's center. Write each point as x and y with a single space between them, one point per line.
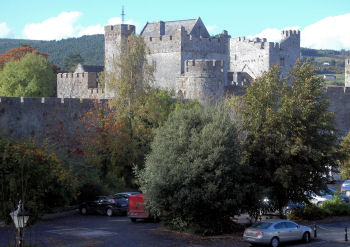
137 208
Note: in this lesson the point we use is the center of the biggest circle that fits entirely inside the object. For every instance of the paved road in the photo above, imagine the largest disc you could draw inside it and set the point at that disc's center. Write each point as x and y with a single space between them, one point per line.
97 231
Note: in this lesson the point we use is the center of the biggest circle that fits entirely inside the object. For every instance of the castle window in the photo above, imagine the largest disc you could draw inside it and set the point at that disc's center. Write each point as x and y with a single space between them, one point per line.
150 38
235 57
154 63
171 37
282 61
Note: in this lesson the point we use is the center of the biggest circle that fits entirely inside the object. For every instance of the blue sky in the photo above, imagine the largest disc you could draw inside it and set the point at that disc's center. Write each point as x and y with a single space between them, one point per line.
322 20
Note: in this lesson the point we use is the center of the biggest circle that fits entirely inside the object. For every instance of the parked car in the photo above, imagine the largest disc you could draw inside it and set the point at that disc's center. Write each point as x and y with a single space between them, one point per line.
320 197
137 208
345 188
101 205
122 199
276 231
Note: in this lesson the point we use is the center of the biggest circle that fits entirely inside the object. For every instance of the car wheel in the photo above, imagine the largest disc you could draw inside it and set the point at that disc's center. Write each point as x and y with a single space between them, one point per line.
133 220
109 212
275 242
83 211
306 237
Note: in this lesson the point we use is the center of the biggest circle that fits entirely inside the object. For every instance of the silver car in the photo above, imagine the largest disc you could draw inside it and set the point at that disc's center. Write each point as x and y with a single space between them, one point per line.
276 231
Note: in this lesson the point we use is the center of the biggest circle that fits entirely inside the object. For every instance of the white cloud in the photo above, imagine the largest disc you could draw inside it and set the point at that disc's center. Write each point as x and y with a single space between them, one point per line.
212 28
64 26
58 27
272 34
329 33
5 31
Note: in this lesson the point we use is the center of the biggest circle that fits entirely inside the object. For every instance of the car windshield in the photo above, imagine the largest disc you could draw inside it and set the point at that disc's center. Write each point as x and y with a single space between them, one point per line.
262 225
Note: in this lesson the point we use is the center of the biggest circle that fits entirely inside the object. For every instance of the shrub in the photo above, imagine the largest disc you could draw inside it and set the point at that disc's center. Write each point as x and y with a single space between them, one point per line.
192 176
309 212
336 207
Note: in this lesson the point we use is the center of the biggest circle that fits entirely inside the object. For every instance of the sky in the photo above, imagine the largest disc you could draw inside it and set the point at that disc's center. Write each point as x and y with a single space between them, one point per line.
324 24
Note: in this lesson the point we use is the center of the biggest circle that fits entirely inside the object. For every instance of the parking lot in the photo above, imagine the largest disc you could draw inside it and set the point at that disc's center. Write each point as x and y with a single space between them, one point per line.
93 230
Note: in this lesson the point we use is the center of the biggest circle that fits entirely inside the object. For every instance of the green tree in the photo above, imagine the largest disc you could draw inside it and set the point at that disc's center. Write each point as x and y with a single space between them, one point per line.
31 76
345 162
71 61
30 174
192 177
290 135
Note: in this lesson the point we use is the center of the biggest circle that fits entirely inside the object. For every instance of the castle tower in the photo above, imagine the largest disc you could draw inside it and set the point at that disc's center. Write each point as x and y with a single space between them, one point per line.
114 36
347 72
202 80
290 50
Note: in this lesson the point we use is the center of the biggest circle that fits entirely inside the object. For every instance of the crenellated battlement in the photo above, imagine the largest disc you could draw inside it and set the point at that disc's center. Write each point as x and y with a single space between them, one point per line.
47 101
204 67
73 75
290 33
120 29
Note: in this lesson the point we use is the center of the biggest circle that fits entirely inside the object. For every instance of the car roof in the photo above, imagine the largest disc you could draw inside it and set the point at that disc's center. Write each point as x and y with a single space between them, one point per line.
273 221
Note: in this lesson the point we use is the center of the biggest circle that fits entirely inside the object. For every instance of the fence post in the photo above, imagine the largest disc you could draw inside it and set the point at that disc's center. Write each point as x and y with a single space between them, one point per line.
346 233
315 231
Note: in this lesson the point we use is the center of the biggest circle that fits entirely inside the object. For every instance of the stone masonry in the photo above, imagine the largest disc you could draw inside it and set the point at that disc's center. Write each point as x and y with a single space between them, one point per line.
347 72
172 44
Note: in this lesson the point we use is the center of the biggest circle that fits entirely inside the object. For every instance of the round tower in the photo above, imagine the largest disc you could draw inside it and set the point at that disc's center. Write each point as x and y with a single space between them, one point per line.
202 80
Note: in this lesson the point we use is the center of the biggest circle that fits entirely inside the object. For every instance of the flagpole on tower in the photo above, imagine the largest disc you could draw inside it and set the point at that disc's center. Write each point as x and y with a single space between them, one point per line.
123 14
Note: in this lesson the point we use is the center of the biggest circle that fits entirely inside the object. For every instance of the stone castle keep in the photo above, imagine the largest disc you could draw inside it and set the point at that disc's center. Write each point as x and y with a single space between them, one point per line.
188 60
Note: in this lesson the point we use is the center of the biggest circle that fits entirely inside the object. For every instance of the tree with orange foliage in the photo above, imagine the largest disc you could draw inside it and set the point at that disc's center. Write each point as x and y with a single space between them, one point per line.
18 53
106 145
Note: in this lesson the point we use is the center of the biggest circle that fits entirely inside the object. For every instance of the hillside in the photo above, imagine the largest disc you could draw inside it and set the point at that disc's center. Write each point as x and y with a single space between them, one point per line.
91 48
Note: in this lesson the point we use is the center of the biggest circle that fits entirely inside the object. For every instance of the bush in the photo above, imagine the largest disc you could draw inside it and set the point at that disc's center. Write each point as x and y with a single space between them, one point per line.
192 176
309 212
336 207
34 176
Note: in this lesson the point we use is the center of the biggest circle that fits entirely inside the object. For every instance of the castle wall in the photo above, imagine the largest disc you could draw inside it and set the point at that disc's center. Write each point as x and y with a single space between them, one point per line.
202 80
165 56
205 48
42 117
340 104
249 56
78 85
347 72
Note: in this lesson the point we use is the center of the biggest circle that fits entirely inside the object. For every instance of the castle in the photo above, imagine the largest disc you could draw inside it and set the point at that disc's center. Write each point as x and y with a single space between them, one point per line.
188 60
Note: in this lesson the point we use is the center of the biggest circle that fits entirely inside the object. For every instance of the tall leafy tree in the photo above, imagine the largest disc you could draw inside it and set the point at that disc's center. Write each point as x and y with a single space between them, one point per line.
345 162
290 134
31 76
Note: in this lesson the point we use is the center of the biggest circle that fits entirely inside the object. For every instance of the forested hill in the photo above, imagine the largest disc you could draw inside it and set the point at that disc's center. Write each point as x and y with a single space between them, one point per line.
91 48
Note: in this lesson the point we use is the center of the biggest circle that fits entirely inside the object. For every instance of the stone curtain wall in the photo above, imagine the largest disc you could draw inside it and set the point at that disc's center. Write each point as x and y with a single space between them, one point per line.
43 117
347 72
78 85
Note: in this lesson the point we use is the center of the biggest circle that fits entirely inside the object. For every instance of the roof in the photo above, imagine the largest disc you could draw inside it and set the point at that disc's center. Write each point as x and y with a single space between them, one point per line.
152 29
88 68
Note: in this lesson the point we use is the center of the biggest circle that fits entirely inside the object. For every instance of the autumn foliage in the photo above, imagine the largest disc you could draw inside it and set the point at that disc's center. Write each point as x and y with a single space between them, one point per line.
17 53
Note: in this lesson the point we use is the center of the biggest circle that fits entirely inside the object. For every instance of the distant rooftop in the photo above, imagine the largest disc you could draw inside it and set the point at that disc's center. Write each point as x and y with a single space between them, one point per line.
88 68
170 27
